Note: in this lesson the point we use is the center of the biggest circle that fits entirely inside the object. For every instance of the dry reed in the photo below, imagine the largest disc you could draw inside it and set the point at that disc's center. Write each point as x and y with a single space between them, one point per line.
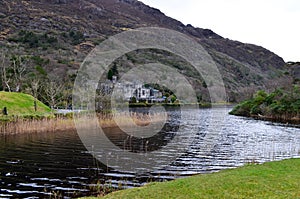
140 119
60 123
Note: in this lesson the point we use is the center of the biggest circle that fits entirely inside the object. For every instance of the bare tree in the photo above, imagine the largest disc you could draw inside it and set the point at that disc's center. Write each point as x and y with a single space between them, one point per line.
4 75
284 82
19 67
53 91
35 83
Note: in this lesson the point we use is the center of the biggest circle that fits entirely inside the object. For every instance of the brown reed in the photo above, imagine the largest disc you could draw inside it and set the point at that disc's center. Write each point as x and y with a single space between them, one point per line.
62 123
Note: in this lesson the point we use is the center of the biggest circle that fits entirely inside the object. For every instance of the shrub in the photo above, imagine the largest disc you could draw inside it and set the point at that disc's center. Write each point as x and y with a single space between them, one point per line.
242 109
35 40
255 110
278 104
76 37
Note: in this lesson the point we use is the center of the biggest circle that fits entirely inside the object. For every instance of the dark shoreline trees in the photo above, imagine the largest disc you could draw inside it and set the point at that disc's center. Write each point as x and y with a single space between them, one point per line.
280 105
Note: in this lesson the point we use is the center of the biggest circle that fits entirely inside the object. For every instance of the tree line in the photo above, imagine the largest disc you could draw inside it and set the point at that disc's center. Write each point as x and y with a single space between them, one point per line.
281 104
27 74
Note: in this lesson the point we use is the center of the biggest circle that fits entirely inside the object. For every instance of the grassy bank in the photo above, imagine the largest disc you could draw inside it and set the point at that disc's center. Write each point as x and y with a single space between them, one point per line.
20 104
269 180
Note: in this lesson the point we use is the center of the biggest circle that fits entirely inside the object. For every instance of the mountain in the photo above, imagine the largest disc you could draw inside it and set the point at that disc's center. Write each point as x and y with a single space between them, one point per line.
63 32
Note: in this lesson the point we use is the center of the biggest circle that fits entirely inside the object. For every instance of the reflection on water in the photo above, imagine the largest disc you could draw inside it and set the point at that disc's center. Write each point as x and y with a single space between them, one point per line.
38 165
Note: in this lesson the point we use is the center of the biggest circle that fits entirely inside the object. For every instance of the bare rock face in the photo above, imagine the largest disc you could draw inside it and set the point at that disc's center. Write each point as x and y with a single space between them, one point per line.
61 1
295 71
2 15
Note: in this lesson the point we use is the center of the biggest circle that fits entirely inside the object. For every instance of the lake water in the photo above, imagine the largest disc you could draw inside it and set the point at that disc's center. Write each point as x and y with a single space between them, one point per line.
43 165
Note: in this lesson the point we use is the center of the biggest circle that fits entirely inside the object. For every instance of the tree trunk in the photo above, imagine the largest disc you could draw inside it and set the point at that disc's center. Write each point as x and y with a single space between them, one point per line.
35 105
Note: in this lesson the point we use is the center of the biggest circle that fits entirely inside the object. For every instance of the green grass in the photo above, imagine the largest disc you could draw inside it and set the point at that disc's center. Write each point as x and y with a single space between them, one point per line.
269 180
20 104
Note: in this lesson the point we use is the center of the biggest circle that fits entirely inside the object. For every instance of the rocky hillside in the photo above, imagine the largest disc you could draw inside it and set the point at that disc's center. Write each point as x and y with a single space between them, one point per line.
63 32
295 71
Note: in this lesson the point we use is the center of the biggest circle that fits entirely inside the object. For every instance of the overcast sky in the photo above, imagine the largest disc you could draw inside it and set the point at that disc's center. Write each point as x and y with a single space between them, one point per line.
273 24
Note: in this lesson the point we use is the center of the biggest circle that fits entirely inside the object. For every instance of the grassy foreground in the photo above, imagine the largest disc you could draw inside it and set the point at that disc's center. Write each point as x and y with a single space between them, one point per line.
21 104
269 180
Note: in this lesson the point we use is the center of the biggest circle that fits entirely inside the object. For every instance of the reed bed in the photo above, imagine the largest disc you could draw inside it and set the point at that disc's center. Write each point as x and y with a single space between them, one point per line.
20 125
140 119
63 123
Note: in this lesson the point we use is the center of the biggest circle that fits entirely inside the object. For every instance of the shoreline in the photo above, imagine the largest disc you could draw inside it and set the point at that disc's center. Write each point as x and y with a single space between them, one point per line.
248 181
59 123
51 122
12 125
275 119
294 120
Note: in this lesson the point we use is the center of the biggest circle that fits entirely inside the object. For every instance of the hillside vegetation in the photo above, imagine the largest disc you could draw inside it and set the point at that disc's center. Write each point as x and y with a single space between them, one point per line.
20 104
43 43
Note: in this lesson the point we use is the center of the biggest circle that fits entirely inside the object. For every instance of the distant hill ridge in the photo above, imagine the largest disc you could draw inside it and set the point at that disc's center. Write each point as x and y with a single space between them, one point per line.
74 27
